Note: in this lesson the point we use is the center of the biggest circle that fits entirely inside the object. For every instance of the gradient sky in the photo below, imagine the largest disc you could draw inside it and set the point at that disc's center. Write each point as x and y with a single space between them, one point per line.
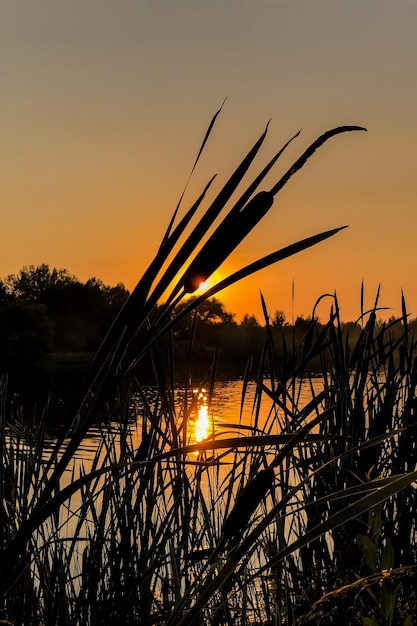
104 105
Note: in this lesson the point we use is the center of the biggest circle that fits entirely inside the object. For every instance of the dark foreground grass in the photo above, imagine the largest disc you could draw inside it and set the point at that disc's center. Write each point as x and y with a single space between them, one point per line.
302 516
258 528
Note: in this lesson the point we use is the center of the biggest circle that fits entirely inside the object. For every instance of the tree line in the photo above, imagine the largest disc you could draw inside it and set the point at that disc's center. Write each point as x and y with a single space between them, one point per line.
47 311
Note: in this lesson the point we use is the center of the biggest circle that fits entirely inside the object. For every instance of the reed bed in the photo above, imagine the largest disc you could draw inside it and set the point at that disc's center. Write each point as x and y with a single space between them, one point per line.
308 516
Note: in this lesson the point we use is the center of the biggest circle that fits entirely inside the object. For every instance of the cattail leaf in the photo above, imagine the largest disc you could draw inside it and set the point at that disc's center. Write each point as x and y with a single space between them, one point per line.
387 560
206 136
355 509
269 342
309 152
218 204
250 269
246 377
270 259
404 313
178 231
246 504
212 379
387 602
241 442
257 181
175 573
368 550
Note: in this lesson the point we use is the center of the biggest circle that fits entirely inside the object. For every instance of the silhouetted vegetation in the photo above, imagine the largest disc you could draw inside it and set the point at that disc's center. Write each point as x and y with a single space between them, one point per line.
79 314
311 540
51 324
49 312
307 515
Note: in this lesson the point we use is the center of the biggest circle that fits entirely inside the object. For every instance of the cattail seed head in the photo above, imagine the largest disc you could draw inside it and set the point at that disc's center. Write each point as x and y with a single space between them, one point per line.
225 239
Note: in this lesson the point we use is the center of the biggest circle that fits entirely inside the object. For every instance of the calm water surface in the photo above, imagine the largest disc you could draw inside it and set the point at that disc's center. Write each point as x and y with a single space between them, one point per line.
226 416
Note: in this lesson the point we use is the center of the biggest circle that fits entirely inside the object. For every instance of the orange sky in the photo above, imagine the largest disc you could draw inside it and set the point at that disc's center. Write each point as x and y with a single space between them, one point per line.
104 106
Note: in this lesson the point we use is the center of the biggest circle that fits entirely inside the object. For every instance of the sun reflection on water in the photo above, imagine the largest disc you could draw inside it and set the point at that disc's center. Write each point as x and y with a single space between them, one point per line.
202 423
202 426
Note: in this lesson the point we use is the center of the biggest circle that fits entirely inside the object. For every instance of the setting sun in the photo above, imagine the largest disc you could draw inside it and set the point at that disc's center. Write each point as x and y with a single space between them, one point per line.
204 285
212 280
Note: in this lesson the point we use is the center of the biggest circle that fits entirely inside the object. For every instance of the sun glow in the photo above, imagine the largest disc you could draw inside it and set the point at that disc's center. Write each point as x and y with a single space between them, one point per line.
209 282
203 285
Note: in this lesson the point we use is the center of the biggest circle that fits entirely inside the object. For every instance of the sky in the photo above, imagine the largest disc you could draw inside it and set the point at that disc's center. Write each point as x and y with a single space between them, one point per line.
104 105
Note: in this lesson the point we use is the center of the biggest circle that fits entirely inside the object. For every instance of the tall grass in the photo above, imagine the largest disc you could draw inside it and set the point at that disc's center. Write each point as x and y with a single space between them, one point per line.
249 529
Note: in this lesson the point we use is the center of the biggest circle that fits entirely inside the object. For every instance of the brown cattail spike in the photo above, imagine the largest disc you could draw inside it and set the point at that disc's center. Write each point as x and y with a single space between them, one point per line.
246 504
225 239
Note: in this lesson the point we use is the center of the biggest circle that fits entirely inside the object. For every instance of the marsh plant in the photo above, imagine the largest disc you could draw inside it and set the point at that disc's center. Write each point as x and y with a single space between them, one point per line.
253 526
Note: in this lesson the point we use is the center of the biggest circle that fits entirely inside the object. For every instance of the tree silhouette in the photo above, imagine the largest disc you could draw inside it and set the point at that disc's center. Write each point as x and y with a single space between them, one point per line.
4 295
25 334
79 313
278 319
32 281
211 313
250 321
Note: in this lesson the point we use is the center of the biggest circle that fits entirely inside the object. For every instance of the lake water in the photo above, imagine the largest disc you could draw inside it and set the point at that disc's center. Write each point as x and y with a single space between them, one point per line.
226 415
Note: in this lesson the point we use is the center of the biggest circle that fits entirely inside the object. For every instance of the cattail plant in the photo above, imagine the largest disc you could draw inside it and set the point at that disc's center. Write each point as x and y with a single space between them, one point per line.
111 356
224 240
158 535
